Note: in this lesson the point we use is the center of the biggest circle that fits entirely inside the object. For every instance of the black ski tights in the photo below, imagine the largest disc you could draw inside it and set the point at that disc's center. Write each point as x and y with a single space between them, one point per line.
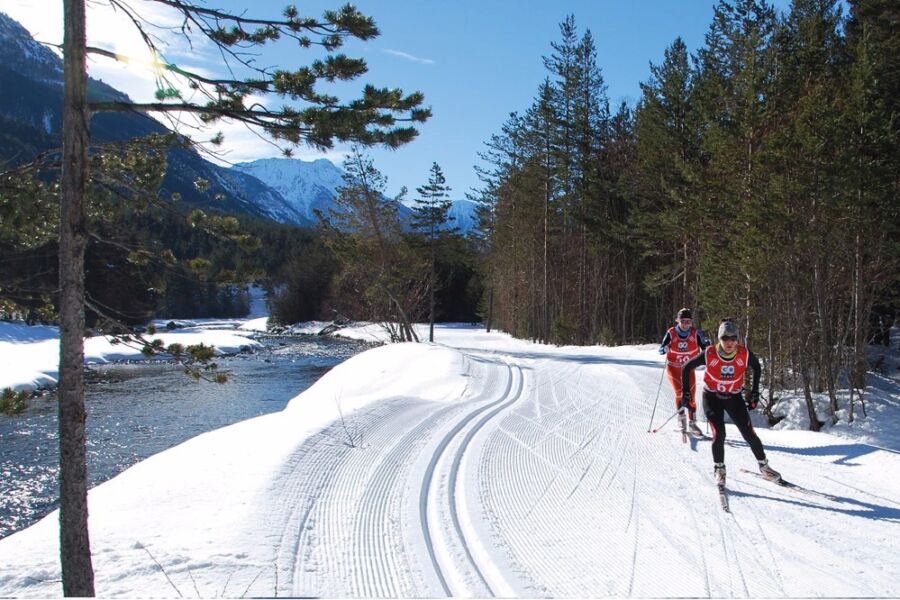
715 406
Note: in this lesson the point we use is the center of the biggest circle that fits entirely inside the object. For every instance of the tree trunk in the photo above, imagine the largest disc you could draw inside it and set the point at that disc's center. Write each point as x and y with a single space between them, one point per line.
431 281
490 311
545 315
75 549
814 423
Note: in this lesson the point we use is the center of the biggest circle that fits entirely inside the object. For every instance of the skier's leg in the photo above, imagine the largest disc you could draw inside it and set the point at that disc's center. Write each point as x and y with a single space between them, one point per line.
737 410
673 374
692 407
712 408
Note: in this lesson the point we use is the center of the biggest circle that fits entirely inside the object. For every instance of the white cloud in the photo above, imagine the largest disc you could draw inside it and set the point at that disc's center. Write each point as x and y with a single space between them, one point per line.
112 30
242 144
410 57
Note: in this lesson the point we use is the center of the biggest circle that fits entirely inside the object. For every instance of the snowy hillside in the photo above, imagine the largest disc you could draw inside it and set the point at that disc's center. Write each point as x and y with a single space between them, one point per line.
21 54
310 185
305 185
257 197
484 466
463 213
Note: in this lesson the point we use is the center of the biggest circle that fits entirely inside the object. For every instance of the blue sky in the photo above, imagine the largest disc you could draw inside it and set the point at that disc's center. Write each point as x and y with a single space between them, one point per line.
475 61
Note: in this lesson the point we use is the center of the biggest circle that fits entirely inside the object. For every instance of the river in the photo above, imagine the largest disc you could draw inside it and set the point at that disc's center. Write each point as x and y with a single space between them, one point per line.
139 409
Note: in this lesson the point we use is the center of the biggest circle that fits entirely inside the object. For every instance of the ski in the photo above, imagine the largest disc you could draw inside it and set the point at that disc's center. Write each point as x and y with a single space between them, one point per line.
723 498
792 486
687 434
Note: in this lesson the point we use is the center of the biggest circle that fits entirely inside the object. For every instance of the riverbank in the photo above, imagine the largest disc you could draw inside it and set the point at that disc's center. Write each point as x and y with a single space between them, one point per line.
138 408
482 466
29 355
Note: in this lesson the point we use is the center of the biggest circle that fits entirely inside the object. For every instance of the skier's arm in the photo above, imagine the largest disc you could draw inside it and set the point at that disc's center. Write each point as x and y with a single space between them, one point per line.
689 366
753 361
703 341
664 344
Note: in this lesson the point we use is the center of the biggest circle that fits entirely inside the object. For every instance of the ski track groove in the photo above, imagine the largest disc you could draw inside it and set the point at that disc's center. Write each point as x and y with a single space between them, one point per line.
427 499
752 553
702 545
470 539
542 464
326 481
779 577
537 459
862 491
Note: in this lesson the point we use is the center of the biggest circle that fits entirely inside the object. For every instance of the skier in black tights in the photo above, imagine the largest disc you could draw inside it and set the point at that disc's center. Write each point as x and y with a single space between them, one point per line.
726 364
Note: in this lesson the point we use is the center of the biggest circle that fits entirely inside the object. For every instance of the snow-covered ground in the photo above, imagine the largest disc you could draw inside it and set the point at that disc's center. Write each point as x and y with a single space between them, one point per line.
29 356
486 466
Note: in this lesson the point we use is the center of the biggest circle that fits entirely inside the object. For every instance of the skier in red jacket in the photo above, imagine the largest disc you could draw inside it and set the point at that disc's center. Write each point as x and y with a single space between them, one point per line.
681 343
726 364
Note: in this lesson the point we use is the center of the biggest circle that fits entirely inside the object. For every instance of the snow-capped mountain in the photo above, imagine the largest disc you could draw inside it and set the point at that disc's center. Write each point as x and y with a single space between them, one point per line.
312 185
22 55
31 88
306 186
463 214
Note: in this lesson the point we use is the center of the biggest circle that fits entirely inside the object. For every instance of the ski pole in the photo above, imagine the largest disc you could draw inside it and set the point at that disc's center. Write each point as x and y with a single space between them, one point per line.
679 411
659 387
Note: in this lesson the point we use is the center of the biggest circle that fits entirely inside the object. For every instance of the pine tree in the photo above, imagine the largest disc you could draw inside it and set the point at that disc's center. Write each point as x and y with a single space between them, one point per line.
733 84
668 157
371 119
431 217
592 134
377 267
872 158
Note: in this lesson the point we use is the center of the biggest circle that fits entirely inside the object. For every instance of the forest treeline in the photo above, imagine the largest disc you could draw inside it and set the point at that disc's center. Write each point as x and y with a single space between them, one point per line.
756 178
151 256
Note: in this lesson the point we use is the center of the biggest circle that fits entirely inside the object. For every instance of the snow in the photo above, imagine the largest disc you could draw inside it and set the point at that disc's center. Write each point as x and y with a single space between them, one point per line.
485 466
305 185
311 185
30 355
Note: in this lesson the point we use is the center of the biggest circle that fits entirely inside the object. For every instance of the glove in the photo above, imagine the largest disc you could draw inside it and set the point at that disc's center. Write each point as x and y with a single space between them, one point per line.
685 401
752 400
663 349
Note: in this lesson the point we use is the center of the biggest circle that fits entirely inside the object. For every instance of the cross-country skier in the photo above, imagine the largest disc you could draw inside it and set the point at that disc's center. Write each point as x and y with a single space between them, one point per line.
726 364
681 343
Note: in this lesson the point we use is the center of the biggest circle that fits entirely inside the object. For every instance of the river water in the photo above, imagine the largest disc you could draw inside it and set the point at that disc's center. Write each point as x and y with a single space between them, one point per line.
137 410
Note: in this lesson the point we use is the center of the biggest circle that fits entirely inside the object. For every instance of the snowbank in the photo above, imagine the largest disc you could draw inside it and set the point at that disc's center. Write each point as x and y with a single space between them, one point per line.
194 507
30 355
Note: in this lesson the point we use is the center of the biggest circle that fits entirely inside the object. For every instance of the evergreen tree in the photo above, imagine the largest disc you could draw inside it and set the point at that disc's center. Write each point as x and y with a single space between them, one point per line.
872 160
372 119
431 216
668 156
733 85
592 186
377 267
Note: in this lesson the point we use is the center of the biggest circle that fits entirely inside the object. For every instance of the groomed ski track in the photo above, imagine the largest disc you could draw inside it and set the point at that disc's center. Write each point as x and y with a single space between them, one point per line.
542 481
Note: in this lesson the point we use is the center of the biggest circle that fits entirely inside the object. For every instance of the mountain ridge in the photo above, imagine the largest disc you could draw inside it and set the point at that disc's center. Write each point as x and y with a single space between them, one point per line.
279 189
31 80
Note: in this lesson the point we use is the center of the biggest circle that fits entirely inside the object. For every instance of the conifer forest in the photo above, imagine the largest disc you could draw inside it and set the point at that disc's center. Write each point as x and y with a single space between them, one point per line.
757 178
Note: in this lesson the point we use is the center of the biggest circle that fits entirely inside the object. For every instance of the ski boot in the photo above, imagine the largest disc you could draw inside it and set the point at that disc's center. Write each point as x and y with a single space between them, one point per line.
768 472
719 474
695 431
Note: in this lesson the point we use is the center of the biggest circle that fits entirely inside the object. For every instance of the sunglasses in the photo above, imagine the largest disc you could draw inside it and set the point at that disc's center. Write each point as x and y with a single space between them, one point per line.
729 338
